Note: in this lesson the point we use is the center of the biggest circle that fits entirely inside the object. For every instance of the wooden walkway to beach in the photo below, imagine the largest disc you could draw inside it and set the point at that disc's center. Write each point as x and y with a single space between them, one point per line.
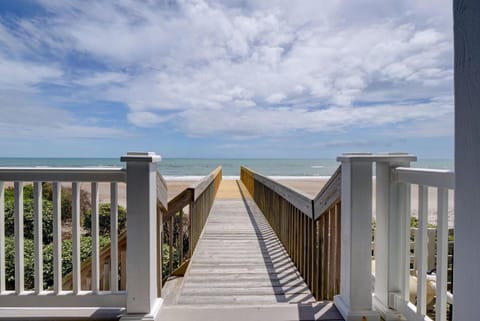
240 270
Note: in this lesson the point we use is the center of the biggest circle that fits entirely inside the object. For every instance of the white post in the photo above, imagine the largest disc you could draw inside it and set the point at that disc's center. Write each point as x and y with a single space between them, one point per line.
355 300
142 301
392 243
466 284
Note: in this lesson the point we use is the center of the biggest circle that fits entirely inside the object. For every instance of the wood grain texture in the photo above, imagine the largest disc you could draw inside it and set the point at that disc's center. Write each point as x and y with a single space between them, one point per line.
240 260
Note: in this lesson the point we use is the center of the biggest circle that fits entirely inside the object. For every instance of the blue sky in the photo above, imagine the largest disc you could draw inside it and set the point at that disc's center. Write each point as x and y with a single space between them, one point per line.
241 78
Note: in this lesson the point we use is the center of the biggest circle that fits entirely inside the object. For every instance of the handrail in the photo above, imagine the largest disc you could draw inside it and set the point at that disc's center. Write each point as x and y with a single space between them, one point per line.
329 194
162 192
64 174
297 198
201 186
309 233
422 176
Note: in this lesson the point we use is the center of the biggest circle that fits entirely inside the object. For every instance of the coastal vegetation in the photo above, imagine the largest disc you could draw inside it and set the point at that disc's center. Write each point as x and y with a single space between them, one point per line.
47 235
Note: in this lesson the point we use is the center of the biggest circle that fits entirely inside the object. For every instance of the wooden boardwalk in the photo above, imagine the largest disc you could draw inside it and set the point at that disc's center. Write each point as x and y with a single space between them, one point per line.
240 270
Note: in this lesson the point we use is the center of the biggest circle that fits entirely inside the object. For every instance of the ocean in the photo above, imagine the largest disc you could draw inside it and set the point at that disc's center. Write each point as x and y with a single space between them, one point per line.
183 168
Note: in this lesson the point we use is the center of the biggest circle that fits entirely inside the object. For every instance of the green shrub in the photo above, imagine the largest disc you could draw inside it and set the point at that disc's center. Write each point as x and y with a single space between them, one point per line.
67 265
104 219
166 261
10 263
28 219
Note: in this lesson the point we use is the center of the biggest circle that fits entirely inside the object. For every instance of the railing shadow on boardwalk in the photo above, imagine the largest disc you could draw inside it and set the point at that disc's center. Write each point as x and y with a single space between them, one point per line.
306 311
263 230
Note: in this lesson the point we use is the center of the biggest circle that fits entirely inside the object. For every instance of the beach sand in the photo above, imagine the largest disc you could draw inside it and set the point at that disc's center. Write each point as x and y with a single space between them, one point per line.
310 186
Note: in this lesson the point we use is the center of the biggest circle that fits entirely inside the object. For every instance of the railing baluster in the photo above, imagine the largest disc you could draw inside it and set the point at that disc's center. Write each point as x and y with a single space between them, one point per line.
19 250
180 238
2 237
422 250
442 255
123 270
76 277
170 244
114 237
106 276
38 237
57 238
338 254
95 240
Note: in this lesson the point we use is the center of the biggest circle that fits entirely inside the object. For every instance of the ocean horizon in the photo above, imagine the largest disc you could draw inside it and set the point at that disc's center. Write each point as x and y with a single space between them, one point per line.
192 168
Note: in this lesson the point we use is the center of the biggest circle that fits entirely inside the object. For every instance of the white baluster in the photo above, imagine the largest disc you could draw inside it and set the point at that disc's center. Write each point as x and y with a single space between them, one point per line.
114 236
38 235
57 237
19 250
76 277
421 255
95 240
442 255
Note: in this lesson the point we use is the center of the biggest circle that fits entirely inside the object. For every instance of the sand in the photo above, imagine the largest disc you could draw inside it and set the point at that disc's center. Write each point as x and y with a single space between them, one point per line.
310 186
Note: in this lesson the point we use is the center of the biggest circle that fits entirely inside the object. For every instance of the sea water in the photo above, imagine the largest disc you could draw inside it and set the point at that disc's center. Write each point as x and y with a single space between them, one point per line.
188 168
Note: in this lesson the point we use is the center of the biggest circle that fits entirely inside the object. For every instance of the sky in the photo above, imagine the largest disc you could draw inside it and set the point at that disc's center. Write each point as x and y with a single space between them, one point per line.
230 79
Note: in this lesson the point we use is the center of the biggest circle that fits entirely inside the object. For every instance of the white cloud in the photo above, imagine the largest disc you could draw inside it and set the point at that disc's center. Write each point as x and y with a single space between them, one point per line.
23 74
25 117
146 119
226 69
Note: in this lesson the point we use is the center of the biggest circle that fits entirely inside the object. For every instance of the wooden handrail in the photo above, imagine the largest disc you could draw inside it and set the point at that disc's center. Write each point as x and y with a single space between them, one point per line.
162 193
297 198
309 228
201 186
329 194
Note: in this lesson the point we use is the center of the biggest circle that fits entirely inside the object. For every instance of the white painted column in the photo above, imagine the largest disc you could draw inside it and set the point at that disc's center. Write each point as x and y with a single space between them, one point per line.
142 301
466 285
355 299
392 244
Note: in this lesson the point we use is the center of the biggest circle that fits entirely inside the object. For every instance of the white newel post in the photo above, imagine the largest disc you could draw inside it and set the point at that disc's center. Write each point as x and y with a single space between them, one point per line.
355 299
392 244
142 301
466 284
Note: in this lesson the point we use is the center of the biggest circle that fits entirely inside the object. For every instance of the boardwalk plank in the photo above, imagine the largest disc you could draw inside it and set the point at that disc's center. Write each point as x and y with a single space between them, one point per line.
240 262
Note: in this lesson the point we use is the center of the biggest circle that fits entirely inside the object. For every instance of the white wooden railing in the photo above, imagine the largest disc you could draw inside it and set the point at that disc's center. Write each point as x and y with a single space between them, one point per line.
442 181
392 279
144 190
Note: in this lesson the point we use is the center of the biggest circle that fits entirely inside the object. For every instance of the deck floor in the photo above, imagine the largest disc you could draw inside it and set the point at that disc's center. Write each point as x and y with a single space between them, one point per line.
240 263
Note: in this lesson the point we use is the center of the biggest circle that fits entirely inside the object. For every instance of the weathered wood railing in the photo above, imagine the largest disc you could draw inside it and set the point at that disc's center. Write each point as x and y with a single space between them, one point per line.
106 288
185 218
308 228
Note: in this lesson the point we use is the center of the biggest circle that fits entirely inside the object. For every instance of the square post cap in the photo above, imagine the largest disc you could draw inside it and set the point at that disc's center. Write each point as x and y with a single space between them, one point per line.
142 157
377 157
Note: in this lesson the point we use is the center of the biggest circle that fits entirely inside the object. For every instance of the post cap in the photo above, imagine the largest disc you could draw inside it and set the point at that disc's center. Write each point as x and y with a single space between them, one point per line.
377 157
145 157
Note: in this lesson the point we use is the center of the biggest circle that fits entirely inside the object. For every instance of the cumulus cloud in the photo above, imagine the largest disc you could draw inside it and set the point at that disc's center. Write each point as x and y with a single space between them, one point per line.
246 68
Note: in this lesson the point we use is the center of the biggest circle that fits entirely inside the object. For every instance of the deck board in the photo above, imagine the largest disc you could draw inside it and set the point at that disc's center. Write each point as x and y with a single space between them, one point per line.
239 262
